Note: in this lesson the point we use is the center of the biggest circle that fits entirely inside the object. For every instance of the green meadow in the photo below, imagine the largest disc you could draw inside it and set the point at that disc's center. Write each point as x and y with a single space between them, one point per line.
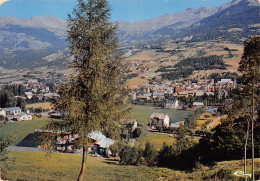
53 166
139 112
21 129
142 113
156 139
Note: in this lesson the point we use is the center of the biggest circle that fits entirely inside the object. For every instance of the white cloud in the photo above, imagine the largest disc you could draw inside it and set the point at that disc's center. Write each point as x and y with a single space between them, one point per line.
3 1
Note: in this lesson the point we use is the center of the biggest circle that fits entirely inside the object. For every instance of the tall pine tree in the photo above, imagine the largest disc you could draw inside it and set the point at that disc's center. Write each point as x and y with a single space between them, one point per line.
249 66
94 97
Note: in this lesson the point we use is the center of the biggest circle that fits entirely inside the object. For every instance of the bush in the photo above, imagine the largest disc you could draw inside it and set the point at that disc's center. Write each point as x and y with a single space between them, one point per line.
128 155
117 147
150 154
139 132
137 156
257 175
223 174
38 110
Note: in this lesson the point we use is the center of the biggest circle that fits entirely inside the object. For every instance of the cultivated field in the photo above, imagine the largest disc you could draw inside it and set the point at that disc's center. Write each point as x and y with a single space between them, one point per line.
44 105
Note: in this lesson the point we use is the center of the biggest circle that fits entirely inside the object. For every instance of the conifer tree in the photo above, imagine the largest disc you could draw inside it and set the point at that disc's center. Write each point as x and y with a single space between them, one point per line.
94 97
249 66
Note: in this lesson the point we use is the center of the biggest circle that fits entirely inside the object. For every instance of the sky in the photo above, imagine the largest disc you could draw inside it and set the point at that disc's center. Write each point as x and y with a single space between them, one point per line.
122 10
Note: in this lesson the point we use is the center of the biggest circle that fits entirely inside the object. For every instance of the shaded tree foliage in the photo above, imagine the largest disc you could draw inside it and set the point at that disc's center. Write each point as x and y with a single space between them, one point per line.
136 155
150 154
17 90
7 99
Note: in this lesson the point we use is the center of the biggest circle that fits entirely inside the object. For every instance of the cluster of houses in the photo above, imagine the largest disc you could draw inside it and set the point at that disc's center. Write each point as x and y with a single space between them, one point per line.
35 90
67 142
15 114
202 87
98 143
39 96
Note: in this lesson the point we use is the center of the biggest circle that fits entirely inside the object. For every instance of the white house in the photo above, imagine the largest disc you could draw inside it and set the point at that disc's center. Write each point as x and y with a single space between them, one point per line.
12 110
158 94
200 93
130 122
172 103
225 82
25 116
2 112
158 119
28 95
22 117
196 105
100 144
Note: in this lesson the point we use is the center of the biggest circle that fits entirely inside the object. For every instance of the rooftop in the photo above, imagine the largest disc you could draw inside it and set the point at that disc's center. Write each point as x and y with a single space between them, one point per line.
12 109
158 116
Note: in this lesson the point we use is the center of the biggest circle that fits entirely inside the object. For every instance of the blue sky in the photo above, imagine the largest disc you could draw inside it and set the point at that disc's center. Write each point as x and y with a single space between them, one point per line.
123 10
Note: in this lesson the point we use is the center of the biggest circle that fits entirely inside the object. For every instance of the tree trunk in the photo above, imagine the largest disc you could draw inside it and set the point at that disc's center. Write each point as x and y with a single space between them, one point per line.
83 164
253 155
253 145
247 133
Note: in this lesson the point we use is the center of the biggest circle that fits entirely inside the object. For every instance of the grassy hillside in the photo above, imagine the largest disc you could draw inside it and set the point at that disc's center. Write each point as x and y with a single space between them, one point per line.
42 166
39 166
21 129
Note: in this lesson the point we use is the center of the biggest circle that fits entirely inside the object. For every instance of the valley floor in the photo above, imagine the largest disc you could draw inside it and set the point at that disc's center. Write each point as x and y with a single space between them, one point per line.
28 165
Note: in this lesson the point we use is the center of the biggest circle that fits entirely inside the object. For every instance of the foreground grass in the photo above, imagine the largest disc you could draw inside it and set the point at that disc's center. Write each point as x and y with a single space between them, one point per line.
143 112
21 129
39 166
56 166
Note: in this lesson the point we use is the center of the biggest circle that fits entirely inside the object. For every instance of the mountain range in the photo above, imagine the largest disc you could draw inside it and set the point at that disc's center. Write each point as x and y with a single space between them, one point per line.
41 41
